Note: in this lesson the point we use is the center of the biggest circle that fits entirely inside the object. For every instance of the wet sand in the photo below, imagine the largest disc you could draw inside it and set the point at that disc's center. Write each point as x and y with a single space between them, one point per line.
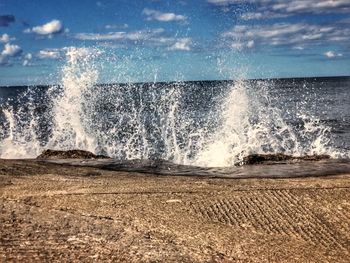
55 212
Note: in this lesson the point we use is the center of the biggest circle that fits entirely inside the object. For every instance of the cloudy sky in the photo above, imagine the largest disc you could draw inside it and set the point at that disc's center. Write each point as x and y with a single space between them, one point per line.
146 40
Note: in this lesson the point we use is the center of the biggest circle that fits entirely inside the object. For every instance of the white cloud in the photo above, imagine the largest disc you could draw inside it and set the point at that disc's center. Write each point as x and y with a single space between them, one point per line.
237 46
242 45
5 38
250 44
332 54
266 9
298 48
299 34
182 44
163 17
49 54
100 37
121 26
252 15
223 2
263 14
53 27
28 56
9 51
120 36
27 59
311 6
154 38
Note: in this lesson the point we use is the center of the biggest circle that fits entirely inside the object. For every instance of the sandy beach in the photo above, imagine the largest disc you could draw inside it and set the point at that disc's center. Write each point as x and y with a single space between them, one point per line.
60 213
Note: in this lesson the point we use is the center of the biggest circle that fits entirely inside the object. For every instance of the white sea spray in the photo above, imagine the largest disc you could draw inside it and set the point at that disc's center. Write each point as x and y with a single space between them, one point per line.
151 121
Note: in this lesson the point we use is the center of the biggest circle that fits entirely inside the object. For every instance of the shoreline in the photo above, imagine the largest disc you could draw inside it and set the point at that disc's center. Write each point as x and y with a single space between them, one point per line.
55 212
296 168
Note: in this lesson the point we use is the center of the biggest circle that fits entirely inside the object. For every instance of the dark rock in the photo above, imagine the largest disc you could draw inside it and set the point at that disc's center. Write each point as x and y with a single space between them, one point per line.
279 157
315 157
70 154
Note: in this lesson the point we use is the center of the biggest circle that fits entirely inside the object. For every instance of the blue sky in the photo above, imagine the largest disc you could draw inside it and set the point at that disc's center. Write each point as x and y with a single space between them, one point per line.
175 39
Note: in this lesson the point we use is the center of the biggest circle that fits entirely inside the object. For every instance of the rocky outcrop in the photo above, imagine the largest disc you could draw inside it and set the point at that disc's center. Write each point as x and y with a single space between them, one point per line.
279 157
70 154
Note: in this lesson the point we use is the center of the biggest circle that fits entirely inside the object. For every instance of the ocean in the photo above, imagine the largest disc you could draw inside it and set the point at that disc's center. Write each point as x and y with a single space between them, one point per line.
201 124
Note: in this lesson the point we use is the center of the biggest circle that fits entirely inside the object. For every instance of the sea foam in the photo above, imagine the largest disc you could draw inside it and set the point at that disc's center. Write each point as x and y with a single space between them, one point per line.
150 122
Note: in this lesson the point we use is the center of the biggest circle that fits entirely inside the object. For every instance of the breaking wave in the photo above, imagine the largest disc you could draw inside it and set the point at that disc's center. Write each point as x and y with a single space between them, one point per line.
211 126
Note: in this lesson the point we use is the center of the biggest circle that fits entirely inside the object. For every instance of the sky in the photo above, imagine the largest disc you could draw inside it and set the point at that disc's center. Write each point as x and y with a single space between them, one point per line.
167 40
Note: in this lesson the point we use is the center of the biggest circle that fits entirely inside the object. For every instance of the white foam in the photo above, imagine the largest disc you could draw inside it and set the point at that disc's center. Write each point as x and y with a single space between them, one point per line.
71 126
145 124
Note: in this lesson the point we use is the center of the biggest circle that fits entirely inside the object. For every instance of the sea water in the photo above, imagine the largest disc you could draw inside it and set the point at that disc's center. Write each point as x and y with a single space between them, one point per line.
194 123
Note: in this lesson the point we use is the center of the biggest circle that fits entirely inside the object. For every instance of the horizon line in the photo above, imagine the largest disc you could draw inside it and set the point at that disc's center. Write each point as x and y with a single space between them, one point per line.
187 81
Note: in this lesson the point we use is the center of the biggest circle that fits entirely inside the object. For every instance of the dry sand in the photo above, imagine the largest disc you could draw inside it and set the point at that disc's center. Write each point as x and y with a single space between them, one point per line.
57 213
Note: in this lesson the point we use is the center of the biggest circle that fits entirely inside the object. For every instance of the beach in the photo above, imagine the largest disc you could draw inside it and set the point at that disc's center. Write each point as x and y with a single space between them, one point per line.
56 212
